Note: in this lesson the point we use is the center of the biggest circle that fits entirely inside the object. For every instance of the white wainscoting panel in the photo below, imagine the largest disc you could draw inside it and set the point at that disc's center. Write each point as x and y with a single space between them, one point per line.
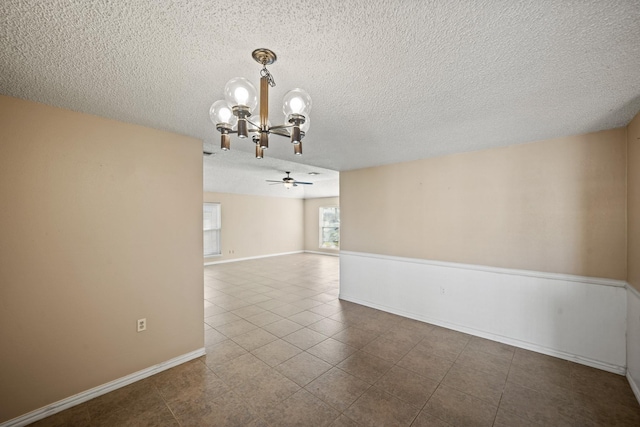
576 318
633 339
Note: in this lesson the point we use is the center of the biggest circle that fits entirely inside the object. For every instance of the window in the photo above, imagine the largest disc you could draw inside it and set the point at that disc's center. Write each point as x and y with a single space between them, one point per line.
330 227
211 229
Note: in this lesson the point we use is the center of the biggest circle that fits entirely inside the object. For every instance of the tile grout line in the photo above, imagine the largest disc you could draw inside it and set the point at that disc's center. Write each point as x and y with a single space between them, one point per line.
504 386
440 382
175 417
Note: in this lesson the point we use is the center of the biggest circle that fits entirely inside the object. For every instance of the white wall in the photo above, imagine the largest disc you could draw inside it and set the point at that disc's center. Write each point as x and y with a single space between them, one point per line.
557 206
257 226
100 225
525 244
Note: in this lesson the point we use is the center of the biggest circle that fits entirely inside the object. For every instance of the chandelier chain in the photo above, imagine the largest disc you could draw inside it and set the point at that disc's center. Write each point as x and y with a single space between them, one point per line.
265 73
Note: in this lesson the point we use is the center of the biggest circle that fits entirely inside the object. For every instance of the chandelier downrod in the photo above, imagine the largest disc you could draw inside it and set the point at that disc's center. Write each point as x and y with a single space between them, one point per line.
264 112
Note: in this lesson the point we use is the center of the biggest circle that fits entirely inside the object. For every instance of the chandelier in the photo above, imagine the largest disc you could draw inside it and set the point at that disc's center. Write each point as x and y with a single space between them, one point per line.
233 115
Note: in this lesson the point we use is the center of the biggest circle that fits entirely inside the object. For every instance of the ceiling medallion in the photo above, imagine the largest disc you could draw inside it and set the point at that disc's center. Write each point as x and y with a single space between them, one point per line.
233 114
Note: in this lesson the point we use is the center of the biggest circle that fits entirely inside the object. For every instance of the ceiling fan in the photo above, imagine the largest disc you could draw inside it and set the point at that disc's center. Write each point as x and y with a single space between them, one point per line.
289 182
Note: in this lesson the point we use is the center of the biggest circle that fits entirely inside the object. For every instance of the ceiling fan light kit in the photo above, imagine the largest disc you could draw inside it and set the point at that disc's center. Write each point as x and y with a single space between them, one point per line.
233 114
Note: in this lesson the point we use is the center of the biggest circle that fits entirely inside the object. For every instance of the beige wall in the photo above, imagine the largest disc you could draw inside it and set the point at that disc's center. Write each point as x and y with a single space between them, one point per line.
554 206
100 225
256 225
312 223
633 202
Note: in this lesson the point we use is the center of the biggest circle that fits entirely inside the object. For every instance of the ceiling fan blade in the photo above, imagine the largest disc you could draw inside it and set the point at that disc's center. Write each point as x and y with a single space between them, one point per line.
270 180
304 183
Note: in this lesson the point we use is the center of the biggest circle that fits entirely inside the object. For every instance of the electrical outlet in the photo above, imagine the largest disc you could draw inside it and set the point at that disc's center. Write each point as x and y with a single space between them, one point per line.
142 325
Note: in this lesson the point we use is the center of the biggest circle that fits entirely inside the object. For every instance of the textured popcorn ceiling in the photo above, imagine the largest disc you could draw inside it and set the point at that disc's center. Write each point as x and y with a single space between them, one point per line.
390 80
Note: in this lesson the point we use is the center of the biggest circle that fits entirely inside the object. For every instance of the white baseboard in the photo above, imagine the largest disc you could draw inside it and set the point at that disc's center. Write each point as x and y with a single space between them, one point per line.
633 340
84 396
577 318
323 253
251 257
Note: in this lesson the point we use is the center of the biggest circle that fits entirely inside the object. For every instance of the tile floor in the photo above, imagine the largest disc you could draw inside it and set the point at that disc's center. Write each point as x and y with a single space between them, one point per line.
283 350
